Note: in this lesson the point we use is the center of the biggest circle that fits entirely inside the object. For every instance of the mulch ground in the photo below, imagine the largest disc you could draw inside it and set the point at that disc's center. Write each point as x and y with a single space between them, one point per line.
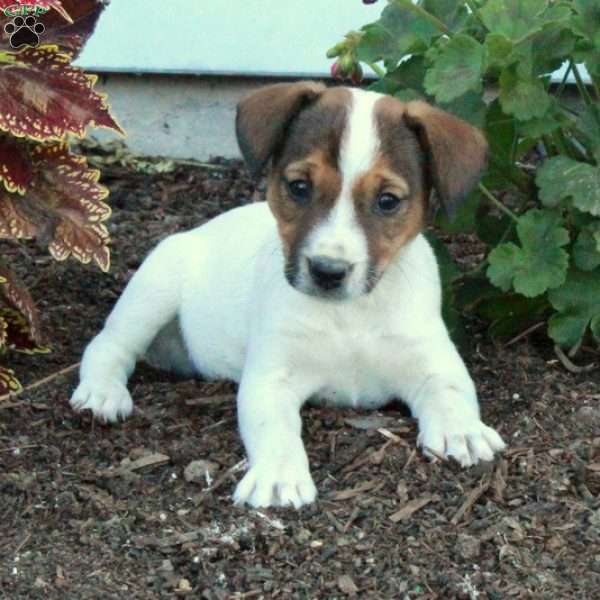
89 511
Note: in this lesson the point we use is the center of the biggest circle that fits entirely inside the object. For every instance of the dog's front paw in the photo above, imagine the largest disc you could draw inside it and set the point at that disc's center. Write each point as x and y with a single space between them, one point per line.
108 401
276 483
467 439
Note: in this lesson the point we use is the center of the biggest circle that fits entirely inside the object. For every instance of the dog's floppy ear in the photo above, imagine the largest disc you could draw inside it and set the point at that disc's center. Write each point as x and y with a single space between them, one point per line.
456 151
263 116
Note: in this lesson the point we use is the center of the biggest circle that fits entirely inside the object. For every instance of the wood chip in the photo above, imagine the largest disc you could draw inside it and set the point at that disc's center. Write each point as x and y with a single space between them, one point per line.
211 400
412 507
470 501
150 460
347 585
371 422
357 491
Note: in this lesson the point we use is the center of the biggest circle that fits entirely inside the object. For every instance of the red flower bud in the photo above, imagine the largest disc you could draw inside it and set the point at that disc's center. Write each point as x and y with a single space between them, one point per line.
357 75
335 71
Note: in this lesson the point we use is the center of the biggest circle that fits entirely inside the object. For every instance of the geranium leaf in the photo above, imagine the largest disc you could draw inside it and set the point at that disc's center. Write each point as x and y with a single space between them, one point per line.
17 296
42 97
67 202
9 384
15 169
516 19
587 21
452 13
457 69
578 307
561 177
586 250
398 32
524 97
540 263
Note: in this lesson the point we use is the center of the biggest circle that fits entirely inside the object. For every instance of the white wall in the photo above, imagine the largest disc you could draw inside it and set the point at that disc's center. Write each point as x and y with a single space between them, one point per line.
247 37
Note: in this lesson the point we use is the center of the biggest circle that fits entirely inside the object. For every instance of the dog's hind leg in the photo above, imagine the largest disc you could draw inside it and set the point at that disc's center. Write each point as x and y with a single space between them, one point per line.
149 303
169 352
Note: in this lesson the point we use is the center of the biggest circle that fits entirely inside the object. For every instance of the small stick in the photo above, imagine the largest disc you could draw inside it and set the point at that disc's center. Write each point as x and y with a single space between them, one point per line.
22 544
525 333
568 364
220 481
39 383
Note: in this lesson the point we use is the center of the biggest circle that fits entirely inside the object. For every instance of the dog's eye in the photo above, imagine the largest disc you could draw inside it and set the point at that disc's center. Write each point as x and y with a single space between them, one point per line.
387 204
299 190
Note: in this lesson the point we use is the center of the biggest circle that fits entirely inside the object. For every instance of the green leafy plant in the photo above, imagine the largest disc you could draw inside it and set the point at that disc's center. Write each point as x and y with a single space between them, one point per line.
46 192
538 206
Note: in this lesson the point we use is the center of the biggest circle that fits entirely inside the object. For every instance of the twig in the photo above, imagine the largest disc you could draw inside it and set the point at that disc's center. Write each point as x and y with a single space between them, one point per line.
568 364
22 544
220 481
470 500
525 333
39 383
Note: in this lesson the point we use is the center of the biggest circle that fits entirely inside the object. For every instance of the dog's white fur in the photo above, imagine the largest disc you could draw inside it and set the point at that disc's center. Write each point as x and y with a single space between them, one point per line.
222 287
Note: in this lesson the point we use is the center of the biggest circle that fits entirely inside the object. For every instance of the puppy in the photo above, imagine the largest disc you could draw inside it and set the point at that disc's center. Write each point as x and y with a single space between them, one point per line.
327 292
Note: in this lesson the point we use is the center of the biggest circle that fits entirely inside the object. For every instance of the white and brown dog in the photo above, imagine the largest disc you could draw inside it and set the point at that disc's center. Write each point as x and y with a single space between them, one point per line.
327 292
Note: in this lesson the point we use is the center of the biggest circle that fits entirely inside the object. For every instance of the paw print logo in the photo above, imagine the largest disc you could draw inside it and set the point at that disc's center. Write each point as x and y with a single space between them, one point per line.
24 32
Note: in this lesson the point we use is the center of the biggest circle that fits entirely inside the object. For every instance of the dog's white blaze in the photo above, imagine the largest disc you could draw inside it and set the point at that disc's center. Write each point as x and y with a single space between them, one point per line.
340 235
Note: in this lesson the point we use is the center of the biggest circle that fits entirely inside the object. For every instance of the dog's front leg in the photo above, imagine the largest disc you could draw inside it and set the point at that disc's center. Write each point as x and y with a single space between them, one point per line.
150 301
269 405
442 397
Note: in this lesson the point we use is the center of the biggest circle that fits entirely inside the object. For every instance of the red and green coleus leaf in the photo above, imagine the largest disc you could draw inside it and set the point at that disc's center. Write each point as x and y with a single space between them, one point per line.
18 335
43 97
9 384
70 37
14 295
15 169
63 206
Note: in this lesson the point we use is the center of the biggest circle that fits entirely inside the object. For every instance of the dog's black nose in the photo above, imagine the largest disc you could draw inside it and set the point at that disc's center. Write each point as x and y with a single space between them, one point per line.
328 273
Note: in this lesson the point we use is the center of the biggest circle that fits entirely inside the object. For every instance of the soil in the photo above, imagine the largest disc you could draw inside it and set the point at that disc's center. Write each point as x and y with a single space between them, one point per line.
89 511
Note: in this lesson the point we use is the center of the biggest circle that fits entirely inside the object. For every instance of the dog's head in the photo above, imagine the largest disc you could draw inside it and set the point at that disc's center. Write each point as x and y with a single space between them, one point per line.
350 175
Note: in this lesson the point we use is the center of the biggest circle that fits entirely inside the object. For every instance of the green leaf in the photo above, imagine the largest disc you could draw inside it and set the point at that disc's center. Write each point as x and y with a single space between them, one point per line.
561 177
525 98
578 306
469 107
511 313
463 219
457 69
588 127
540 263
491 229
397 33
586 250
452 13
499 50
516 19
409 74
587 21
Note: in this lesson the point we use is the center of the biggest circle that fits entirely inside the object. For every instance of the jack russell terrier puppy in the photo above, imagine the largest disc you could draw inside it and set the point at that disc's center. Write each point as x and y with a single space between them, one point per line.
326 292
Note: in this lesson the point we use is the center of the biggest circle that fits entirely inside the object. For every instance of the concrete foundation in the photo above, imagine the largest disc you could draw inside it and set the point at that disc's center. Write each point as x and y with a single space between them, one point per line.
176 116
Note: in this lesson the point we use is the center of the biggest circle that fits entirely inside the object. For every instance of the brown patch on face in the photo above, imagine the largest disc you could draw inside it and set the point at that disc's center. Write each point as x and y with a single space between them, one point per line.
310 152
386 234
295 220
397 170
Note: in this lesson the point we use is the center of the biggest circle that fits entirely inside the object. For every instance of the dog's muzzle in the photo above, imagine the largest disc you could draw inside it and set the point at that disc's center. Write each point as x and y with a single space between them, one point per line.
328 274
